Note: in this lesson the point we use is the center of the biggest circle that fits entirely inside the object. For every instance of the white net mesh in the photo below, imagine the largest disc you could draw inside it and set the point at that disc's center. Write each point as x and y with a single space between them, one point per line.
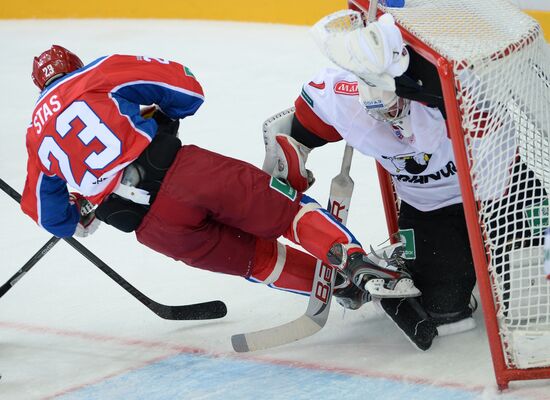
502 77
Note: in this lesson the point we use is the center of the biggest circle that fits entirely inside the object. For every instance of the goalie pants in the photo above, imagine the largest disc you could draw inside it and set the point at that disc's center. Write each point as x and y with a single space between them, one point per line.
443 269
225 215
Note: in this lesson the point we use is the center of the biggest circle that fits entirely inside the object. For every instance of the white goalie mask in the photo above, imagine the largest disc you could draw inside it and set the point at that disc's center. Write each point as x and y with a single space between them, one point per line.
382 105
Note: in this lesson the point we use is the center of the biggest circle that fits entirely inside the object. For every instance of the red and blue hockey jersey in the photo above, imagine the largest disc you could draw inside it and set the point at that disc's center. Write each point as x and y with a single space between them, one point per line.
86 128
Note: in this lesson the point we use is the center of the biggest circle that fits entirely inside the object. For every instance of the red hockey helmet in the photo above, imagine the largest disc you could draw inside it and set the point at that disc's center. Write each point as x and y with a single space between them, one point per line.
53 63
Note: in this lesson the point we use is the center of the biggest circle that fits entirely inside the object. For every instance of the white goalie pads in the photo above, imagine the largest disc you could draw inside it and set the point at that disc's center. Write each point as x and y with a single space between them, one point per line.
375 53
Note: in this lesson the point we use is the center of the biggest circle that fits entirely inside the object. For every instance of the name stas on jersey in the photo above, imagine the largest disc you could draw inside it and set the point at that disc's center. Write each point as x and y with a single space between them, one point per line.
96 121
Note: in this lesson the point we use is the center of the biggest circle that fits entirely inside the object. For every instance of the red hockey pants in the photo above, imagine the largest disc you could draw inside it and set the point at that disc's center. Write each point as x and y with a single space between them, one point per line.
210 210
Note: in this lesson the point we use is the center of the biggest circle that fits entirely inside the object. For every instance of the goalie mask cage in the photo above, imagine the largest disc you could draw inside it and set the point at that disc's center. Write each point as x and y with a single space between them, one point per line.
494 67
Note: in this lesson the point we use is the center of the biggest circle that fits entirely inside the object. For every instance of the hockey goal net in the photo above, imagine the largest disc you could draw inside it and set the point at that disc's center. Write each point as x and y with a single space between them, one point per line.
494 68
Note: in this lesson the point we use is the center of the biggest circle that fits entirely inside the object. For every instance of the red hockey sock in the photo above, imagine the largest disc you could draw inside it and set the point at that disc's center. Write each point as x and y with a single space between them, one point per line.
317 231
282 267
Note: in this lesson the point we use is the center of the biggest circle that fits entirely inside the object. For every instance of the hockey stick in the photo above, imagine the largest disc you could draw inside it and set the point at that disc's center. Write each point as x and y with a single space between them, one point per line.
28 265
316 315
207 310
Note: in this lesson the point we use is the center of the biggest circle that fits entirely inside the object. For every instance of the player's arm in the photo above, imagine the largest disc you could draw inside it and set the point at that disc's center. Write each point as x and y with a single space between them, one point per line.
145 81
289 137
421 83
48 202
310 129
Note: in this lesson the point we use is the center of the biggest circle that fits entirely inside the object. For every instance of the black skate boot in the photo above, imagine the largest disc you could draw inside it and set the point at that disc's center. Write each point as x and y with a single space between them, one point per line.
349 295
380 277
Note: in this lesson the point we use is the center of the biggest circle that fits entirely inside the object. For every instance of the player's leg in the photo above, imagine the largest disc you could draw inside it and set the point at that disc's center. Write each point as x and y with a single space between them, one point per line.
206 188
237 195
284 267
441 264
321 234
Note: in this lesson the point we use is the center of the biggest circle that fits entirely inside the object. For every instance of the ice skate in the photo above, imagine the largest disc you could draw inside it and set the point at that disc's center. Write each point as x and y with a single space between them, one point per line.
381 277
348 295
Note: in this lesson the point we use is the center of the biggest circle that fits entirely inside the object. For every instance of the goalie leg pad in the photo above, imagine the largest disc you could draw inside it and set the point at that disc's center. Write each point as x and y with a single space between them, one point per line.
411 319
443 269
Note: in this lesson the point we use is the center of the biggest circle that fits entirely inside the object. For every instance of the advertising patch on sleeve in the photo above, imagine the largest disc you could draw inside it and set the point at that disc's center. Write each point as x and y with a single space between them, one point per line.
284 188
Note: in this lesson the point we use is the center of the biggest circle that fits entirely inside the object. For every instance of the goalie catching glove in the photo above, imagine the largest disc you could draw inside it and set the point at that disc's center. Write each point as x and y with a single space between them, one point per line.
375 53
382 276
88 222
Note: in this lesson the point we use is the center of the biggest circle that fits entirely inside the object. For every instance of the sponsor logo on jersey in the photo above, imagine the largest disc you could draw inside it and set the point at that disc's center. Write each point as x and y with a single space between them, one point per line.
397 133
346 88
99 180
319 86
446 172
413 163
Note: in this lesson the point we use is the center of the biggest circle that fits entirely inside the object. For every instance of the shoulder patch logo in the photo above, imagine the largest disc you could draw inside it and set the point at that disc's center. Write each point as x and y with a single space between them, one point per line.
319 86
188 72
346 88
306 98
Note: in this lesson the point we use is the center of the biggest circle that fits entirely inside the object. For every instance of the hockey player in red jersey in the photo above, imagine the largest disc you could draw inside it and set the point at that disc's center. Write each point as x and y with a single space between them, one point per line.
207 210
358 103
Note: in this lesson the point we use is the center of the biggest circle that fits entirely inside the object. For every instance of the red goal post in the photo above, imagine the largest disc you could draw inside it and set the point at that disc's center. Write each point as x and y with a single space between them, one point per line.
494 68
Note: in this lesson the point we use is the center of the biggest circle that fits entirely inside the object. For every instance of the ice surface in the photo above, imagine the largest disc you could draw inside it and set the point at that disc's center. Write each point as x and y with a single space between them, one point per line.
67 331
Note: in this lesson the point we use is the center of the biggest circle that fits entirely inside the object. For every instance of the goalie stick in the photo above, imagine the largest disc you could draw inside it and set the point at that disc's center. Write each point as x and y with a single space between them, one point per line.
318 308
199 311
316 315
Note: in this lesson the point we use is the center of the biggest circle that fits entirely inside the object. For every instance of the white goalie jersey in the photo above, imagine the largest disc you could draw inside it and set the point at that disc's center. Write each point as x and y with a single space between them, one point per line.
415 151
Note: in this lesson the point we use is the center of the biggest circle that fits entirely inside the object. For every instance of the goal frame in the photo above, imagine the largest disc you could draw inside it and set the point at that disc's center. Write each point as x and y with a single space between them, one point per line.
504 374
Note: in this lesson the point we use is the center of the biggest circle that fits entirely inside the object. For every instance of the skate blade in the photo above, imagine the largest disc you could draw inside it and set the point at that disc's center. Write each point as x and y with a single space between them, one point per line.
404 288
